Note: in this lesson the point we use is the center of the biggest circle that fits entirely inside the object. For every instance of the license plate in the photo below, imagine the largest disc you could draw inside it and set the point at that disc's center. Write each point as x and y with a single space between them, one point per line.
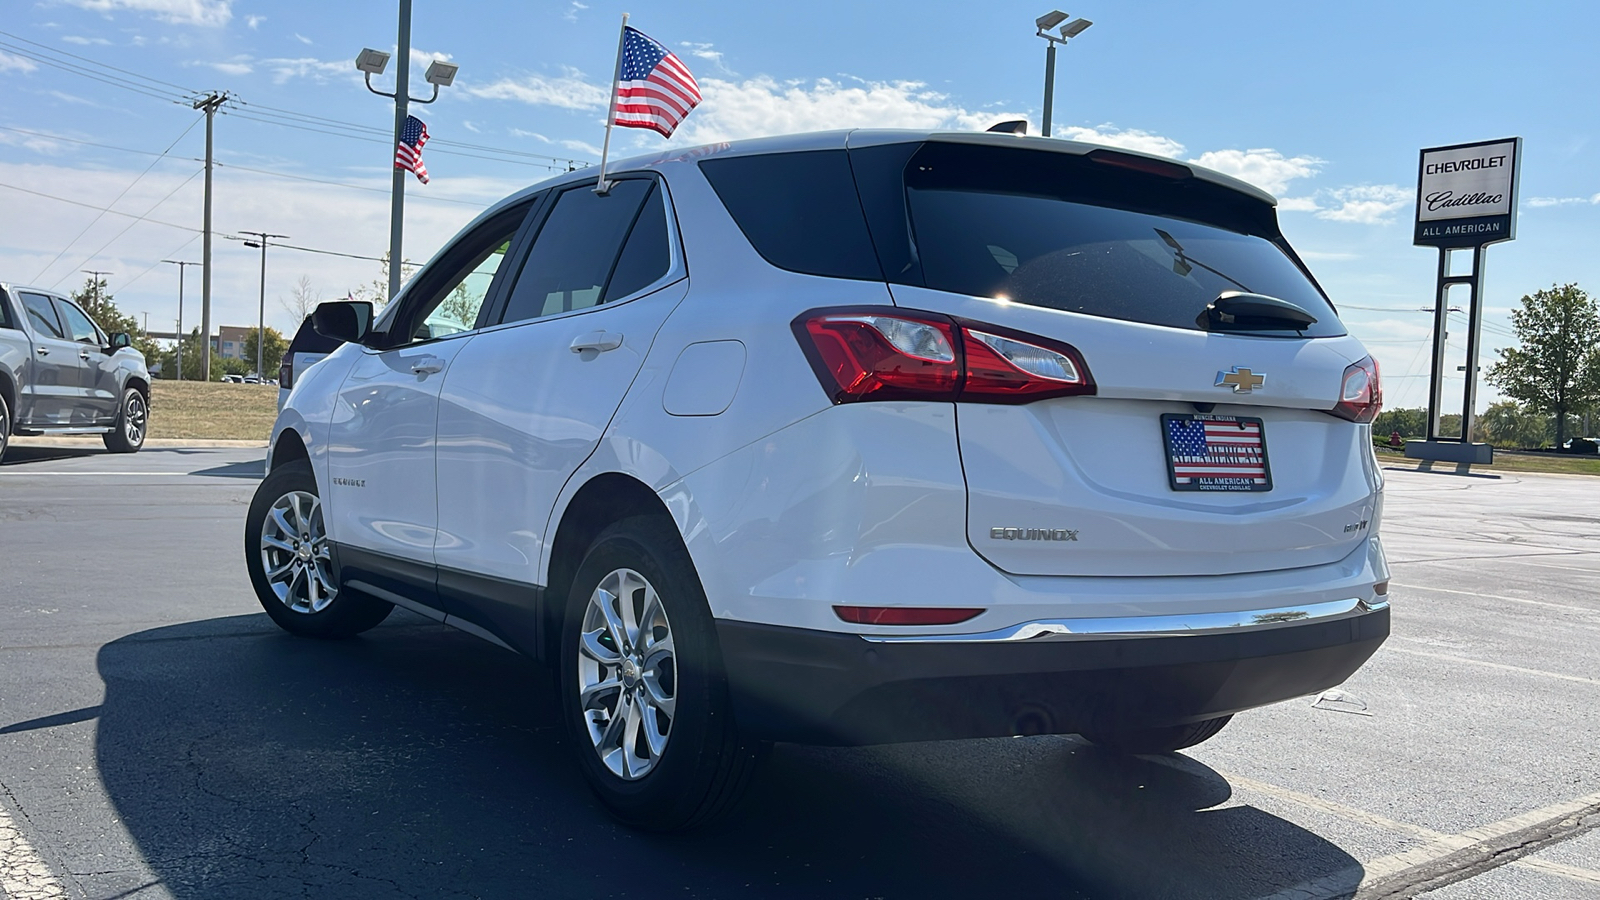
1216 453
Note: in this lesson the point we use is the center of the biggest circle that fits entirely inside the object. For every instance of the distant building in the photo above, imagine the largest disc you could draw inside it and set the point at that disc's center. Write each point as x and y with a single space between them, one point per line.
230 341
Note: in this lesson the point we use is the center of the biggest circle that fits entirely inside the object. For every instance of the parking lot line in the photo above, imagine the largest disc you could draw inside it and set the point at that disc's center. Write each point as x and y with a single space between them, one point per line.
1544 603
23 875
1391 648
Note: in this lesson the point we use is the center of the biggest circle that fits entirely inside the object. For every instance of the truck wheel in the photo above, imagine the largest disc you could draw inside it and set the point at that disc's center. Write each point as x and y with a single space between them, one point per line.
5 426
643 691
1158 740
291 564
127 436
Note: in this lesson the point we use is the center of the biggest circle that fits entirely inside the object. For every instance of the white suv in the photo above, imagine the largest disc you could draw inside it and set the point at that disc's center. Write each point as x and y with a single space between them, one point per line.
849 438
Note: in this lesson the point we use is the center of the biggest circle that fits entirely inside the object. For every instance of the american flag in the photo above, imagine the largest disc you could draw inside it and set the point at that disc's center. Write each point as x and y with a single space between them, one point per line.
1217 453
408 153
654 87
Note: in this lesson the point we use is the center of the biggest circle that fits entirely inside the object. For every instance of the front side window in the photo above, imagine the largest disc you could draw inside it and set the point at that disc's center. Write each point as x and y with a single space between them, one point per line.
448 297
78 324
577 249
42 315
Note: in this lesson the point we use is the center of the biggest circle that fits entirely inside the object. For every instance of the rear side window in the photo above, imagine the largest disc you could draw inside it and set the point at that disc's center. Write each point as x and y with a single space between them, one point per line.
647 256
576 249
42 315
1025 226
799 210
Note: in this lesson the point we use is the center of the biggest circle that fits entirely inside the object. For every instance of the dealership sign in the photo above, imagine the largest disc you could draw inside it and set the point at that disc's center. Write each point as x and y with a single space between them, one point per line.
1467 194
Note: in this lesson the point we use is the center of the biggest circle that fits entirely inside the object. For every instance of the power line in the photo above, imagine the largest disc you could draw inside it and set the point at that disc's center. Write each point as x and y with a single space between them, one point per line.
115 237
96 62
343 184
104 209
114 202
57 137
90 74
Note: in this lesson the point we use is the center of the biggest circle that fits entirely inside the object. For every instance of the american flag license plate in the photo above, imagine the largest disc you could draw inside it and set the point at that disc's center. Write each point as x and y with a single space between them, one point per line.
1216 453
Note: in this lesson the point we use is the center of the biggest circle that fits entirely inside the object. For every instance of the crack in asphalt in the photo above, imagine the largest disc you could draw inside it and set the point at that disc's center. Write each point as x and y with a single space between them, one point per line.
1474 860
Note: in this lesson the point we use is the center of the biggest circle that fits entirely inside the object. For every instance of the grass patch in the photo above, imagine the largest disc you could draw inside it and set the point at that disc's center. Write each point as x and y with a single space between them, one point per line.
1510 461
212 411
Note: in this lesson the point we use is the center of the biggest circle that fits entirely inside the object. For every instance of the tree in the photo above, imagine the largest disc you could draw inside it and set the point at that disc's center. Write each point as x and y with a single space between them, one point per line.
376 291
276 346
1411 423
1556 370
191 360
1508 425
303 298
94 299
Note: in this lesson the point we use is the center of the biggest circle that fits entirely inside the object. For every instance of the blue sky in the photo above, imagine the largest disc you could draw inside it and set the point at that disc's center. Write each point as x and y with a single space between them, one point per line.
1325 105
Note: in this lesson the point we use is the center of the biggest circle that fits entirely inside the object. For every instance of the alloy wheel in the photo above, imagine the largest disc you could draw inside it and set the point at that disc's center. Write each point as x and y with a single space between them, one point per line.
295 555
627 674
133 418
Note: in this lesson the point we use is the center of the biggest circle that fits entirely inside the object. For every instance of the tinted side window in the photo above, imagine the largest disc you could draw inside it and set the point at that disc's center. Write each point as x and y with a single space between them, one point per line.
576 249
42 315
646 256
78 324
799 210
5 312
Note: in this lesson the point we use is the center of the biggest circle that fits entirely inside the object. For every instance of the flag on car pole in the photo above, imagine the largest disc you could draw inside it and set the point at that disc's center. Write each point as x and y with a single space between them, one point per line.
408 153
650 88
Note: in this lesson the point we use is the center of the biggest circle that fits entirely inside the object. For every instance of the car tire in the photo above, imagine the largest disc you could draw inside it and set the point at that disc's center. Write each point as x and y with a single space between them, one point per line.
290 560
659 746
5 426
1158 740
133 420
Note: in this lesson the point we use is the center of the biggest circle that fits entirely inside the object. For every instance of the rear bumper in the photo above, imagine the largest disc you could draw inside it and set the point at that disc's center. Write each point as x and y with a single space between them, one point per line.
818 687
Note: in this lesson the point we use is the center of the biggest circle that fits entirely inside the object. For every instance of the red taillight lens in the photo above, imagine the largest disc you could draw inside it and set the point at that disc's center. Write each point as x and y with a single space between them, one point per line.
905 615
1360 393
286 375
876 353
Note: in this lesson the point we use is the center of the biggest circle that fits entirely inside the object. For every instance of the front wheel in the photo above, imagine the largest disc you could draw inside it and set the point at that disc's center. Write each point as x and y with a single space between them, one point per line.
1158 740
287 553
5 425
133 417
644 695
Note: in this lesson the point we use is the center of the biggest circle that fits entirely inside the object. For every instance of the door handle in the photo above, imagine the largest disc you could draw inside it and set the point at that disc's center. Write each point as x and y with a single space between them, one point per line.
83 354
427 366
599 341
43 351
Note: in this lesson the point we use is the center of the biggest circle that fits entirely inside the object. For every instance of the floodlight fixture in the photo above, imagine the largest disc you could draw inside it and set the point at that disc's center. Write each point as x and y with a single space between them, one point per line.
1075 27
1050 19
441 73
372 62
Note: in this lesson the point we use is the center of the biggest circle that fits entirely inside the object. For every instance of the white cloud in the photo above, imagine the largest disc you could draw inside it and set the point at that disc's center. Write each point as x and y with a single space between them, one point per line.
569 91
9 63
1126 138
467 124
84 41
571 15
1541 202
1366 204
704 51
580 147
239 65
302 38
423 57
319 70
254 21
1298 204
1263 167
1328 255
36 143
181 12
71 98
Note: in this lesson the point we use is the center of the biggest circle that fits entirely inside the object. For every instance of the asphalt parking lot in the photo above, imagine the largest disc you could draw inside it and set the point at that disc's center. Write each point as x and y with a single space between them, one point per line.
160 738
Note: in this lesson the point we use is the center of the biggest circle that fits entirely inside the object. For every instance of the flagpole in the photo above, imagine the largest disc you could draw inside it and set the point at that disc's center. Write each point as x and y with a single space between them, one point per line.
601 186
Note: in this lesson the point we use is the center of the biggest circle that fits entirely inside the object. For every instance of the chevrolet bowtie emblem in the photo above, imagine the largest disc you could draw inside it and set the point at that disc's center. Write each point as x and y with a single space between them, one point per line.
1243 381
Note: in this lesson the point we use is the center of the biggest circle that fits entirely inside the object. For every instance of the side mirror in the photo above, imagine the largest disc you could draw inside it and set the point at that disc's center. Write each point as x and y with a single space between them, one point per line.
349 321
120 339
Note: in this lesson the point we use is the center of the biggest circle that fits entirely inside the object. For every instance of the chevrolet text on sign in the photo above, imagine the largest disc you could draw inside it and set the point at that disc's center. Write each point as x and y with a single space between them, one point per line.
1467 194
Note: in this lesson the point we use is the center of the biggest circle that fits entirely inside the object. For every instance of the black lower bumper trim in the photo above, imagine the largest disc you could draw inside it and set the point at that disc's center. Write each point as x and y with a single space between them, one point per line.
818 687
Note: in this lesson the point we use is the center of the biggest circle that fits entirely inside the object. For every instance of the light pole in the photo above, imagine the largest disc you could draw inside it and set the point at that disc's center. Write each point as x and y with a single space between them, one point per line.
261 326
440 74
181 264
1068 31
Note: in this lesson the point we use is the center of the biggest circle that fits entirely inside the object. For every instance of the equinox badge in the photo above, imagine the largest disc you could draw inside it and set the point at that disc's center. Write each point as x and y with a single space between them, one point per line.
1032 534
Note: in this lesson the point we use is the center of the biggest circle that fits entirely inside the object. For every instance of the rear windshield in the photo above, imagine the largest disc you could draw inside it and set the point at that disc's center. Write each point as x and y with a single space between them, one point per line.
1037 227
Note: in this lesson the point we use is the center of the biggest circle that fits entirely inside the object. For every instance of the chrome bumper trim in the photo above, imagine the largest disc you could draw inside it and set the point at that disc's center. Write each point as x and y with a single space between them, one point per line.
1149 626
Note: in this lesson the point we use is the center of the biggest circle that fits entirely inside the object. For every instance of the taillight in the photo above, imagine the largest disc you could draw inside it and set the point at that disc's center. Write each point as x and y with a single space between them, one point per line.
1360 392
905 615
286 374
882 354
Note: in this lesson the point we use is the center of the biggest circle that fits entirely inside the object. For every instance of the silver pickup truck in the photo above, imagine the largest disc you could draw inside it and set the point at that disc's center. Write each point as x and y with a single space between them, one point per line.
61 374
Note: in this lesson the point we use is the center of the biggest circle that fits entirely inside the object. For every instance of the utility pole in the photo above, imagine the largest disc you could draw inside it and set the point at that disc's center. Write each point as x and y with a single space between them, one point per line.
261 327
96 282
181 264
209 104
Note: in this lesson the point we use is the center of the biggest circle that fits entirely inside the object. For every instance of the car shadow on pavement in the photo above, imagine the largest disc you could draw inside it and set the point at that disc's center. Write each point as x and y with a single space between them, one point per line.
255 468
21 454
418 762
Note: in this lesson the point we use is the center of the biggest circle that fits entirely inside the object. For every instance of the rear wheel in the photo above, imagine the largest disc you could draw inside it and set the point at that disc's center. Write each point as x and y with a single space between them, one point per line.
127 436
291 563
1159 740
644 695
5 425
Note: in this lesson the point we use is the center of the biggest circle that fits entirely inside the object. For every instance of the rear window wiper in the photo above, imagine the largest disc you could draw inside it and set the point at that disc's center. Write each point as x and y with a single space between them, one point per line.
1242 311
